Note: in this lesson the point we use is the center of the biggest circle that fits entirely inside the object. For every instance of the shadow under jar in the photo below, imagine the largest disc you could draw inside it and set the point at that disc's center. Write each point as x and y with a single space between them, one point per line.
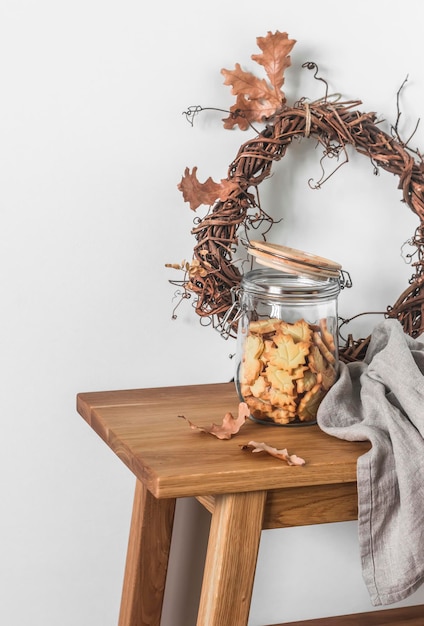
287 340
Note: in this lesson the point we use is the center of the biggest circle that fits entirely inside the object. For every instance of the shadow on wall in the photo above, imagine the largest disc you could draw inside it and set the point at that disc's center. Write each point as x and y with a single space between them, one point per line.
187 557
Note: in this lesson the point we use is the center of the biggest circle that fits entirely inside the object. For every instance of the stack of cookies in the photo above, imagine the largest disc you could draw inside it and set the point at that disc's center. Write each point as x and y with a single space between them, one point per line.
286 369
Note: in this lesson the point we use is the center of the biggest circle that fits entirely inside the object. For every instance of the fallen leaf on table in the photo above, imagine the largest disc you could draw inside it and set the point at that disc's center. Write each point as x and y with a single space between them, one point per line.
230 425
291 459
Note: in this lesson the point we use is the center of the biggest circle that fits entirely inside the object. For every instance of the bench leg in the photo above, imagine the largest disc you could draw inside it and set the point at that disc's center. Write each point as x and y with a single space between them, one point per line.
231 559
147 559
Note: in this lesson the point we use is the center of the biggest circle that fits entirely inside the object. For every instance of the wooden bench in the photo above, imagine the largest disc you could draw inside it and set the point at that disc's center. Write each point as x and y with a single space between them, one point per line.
244 492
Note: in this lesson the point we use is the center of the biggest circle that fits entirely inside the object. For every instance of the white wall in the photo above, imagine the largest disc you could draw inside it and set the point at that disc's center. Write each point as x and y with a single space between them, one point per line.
92 145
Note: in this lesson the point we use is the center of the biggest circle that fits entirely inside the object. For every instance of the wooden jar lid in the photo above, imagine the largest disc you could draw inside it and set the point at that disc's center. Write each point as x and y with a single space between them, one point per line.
293 261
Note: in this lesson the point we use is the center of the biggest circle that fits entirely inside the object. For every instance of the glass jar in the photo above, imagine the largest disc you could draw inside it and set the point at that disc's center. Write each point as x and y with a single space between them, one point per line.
287 339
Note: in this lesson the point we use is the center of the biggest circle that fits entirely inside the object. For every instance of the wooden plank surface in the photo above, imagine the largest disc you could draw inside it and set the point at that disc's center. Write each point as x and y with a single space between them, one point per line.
147 559
301 506
231 559
144 429
405 616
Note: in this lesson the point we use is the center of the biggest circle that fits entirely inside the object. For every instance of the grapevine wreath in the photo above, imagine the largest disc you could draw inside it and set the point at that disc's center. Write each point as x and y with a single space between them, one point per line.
234 206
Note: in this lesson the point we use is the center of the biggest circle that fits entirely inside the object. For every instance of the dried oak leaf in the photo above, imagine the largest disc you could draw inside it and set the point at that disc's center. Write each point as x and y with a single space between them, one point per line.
275 58
197 193
257 98
291 459
230 425
246 110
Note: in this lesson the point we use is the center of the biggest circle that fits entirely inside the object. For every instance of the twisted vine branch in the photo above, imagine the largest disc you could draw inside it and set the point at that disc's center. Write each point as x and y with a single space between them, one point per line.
335 125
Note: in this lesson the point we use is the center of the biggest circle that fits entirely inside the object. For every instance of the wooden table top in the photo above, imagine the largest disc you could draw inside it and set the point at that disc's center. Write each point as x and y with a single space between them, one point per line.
143 427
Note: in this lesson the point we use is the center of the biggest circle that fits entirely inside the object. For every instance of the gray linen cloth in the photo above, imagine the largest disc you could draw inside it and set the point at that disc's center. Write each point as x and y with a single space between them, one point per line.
382 400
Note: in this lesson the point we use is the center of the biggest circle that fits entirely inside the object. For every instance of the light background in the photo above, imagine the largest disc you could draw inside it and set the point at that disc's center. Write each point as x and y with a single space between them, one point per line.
93 143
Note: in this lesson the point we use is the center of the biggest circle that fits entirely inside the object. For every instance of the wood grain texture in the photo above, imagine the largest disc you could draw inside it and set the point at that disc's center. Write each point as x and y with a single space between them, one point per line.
147 559
301 506
406 616
143 428
231 559
316 504
245 493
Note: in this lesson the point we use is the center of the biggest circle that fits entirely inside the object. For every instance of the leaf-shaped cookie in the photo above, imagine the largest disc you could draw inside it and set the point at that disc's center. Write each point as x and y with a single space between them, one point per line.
288 355
308 406
283 400
264 326
259 387
259 408
323 348
282 416
300 330
308 381
251 365
317 363
327 337
253 346
280 379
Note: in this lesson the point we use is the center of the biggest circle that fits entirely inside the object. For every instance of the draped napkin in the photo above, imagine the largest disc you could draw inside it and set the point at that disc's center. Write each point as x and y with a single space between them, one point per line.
381 399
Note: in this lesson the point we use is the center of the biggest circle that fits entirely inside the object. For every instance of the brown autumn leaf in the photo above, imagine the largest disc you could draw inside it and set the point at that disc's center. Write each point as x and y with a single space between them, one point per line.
197 193
246 111
230 425
291 459
275 57
258 98
247 84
